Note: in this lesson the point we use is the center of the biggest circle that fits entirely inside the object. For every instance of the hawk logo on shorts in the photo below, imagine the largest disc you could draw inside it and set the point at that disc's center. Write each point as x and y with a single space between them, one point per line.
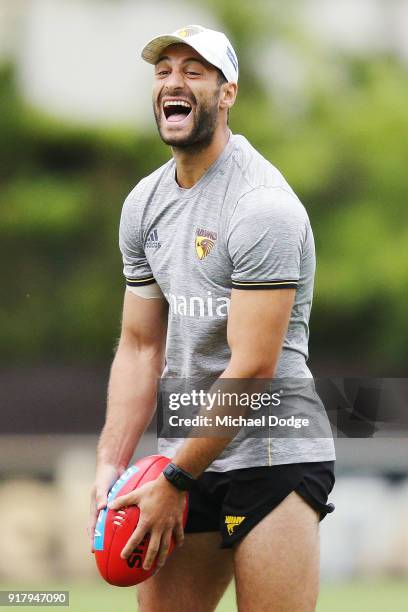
232 522
204 242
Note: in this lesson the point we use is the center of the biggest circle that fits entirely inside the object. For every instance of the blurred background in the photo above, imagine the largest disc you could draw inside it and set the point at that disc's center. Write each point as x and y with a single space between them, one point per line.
323 95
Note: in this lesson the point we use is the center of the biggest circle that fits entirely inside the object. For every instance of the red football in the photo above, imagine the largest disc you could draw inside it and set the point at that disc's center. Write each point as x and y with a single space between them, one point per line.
114 528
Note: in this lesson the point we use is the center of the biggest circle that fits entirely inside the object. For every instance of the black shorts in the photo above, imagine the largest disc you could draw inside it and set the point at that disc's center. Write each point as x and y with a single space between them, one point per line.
234 502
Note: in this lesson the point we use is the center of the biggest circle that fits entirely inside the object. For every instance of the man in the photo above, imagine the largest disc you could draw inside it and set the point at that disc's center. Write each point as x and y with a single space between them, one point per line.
219 262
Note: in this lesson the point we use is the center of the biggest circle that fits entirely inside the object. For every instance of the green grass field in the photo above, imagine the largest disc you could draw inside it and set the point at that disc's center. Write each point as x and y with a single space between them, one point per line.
374 596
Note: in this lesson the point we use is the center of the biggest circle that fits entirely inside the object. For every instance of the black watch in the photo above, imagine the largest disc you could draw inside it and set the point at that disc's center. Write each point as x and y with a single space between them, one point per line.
178 478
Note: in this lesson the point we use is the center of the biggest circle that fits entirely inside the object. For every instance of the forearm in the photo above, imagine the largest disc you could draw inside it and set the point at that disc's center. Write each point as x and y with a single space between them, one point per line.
131 402
198 453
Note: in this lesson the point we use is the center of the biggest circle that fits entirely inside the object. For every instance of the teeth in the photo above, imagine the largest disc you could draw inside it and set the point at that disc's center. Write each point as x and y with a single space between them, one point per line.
176 103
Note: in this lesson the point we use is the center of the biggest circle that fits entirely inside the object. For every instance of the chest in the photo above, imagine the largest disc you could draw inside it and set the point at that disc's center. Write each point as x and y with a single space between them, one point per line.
186 247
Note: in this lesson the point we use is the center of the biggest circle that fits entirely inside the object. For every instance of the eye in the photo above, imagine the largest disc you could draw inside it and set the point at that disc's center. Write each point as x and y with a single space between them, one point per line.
192 73
162 72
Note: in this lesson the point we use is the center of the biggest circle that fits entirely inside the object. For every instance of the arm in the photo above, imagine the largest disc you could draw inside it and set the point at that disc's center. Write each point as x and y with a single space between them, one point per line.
137 365
265 240
139 357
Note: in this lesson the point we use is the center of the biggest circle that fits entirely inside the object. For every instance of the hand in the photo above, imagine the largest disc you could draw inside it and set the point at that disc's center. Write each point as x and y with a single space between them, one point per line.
106 475
161 514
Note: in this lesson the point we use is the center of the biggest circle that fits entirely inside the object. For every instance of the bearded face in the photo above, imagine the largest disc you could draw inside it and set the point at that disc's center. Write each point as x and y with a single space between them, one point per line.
185 122
185 99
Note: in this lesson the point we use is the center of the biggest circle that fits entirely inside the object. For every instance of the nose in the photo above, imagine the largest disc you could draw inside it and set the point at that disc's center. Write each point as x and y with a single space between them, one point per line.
175 79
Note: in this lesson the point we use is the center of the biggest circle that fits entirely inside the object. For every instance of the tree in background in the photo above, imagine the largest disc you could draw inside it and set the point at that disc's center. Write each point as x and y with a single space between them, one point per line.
341 140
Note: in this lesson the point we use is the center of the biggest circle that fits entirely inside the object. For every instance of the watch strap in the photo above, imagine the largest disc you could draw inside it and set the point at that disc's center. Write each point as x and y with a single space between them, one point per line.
178 477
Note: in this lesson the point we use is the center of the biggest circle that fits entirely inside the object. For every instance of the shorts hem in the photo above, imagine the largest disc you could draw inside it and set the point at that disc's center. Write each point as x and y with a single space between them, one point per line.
244 466
322 509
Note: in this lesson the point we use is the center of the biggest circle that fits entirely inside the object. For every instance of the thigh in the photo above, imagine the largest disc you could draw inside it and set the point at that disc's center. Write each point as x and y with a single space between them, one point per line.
194 577
277 563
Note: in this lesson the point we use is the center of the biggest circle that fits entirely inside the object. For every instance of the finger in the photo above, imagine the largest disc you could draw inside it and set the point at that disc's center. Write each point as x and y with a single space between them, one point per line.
98 501
93 516
152 550
91 531
92 498
93 519
101 500
164 548
130 499
137 536
179 534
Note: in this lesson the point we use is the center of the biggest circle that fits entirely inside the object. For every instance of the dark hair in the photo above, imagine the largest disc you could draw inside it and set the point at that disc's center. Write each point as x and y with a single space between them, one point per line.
221 77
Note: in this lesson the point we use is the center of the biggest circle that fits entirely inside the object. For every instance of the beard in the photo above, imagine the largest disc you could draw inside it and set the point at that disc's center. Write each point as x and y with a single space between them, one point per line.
205 121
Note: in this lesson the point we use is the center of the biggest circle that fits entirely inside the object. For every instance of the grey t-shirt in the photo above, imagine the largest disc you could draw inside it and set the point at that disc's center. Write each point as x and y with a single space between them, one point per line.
241 226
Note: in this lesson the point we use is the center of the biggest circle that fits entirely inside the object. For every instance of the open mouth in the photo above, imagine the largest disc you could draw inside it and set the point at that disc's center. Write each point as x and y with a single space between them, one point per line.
176 110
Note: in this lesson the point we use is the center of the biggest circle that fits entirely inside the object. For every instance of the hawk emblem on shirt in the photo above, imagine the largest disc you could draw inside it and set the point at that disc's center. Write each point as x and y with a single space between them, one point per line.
204 242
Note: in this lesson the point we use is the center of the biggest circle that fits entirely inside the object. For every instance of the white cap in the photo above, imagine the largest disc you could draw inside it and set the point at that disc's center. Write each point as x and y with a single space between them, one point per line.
213 46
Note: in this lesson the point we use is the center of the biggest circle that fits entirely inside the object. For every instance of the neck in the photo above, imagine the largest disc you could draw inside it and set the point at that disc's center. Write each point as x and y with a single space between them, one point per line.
192 163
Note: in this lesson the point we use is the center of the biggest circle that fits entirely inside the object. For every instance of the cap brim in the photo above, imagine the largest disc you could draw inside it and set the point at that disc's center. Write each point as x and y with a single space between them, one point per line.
152 51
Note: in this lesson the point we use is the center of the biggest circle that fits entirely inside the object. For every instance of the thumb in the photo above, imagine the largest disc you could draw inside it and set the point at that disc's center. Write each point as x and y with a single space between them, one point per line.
130 499
101 500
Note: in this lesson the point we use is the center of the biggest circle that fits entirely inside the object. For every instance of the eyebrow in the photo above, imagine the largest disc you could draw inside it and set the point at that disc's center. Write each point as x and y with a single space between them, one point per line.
188 59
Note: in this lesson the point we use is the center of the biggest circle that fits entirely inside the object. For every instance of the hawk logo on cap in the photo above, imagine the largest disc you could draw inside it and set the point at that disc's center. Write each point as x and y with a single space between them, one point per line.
189 31
204 242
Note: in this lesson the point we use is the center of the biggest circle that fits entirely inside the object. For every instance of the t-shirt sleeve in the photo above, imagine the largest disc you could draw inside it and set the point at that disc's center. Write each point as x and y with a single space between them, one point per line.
266 237
136 268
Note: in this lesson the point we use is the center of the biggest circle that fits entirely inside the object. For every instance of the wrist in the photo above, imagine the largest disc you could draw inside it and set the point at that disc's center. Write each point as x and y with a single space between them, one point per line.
106 467
177 477
165 486
109 457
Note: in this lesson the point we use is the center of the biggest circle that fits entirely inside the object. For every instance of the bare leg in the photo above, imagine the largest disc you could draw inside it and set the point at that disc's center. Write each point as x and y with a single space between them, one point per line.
277 563
194 577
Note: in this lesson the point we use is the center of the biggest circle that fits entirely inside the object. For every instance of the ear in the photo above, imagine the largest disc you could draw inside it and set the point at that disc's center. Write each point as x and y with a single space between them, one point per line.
228 95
